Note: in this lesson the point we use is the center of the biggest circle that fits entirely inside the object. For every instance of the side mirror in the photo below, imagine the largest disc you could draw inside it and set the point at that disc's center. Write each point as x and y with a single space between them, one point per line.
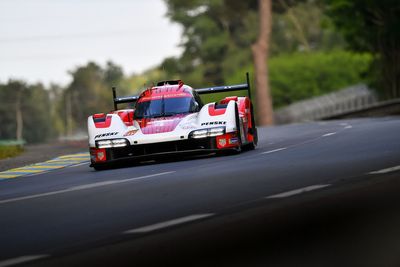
195 106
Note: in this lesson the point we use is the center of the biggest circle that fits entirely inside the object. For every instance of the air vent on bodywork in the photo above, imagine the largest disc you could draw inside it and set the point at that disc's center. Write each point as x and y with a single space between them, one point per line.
99 117
102 121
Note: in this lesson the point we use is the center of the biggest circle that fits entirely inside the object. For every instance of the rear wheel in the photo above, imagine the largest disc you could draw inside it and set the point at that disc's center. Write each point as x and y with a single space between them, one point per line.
253 131
238 130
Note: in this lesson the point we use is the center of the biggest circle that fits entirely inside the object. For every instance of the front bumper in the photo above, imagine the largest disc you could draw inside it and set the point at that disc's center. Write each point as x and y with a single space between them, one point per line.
204 145
103 156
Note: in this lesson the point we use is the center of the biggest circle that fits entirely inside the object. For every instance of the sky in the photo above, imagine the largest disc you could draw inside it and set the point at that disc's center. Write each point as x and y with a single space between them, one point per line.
42 40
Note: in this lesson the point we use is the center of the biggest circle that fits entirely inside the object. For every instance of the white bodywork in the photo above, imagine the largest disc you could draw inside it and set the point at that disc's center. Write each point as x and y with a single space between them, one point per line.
191 122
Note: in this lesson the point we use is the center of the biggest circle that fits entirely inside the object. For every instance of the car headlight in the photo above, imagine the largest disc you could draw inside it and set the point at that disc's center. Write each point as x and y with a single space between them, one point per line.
121 142
207 132
199 134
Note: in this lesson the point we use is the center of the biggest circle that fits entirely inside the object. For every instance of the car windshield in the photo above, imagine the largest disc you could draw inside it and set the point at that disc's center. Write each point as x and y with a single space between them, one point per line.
165 107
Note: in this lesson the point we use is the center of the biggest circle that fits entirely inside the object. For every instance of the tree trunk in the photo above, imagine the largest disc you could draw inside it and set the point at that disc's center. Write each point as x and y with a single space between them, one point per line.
68 112
260 58
18 115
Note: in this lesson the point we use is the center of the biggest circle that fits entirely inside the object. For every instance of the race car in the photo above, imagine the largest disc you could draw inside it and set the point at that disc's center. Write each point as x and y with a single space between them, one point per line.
170 118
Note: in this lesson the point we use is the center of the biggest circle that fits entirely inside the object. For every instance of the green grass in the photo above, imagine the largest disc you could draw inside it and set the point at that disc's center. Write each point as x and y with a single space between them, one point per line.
10 149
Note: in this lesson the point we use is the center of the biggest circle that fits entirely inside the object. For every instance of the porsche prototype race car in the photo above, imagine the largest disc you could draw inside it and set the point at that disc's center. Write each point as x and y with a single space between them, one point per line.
171 118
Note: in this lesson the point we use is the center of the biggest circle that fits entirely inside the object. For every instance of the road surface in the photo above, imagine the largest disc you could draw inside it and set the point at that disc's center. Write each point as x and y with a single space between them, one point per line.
313 194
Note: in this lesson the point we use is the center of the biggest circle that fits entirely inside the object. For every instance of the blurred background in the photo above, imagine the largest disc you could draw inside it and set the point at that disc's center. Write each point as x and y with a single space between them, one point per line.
60 58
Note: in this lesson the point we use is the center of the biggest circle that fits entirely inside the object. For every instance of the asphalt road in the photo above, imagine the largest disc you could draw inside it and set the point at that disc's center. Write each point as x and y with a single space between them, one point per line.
314 194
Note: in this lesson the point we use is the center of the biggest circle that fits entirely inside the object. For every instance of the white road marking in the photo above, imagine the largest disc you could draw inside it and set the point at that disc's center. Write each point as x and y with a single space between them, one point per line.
299 191
391 169
348 127
21 259
79 164
93 185
328 134
82 187
272 151
166 224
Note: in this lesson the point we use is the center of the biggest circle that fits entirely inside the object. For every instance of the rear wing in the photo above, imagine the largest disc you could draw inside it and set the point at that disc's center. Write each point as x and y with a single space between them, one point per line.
207 90
121 100
227 88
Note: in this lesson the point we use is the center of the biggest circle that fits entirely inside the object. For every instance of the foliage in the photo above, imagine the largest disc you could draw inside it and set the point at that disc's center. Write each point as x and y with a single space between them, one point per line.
306 59
303 27
10 151
372 25
89 92
49 112
35 106
10 148
298 76
214 30
218 35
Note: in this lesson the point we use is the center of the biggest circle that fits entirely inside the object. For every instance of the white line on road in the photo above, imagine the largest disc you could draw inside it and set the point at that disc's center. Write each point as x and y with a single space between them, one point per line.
82 187
166 224
299 191
328 134
391 169
79 164
348 127
275 150
21 259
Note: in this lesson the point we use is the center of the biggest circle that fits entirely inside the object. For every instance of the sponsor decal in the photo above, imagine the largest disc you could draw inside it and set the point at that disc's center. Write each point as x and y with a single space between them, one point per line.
222 142
130 133
188 126
233 140
100 155
105 135
213 123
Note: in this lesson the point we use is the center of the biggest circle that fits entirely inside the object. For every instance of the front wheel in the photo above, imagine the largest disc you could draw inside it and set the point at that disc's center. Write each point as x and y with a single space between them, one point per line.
100 167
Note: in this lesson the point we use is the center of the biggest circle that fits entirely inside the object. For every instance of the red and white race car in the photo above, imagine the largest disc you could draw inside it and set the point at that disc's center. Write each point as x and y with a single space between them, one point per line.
171 118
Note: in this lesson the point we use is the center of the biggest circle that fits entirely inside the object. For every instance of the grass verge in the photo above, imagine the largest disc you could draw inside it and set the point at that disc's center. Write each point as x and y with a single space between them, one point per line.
10 149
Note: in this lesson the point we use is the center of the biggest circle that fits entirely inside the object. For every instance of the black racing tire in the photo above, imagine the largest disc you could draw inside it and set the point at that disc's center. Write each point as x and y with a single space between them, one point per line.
238 129
100 167
252 145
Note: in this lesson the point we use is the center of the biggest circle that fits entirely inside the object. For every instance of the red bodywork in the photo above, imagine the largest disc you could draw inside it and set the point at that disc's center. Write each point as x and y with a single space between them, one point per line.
244 108
101 120
126 116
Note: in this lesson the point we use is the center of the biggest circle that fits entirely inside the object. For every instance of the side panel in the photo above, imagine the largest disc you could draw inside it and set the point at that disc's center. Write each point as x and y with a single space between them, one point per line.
226 119
116 129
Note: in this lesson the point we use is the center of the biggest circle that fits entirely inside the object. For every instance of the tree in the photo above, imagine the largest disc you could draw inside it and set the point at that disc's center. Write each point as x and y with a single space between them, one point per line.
38 123
10 108
18 87
204 40
89 93
25 112
220 36
260 58
373 25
